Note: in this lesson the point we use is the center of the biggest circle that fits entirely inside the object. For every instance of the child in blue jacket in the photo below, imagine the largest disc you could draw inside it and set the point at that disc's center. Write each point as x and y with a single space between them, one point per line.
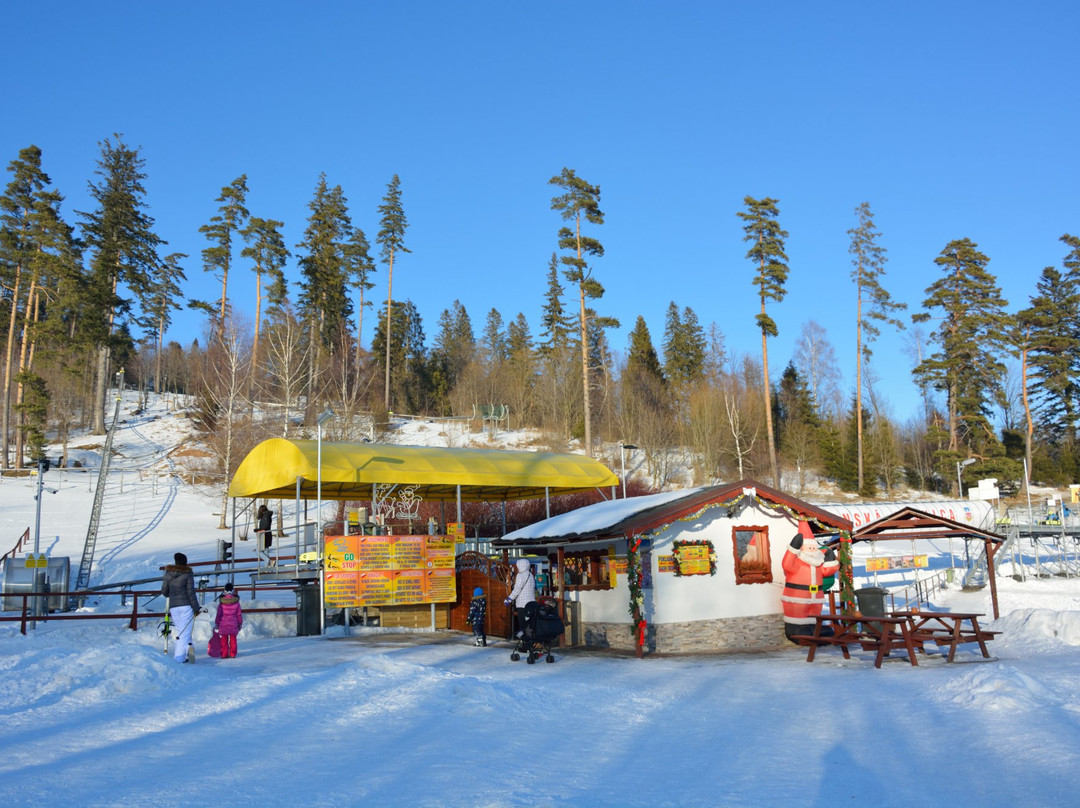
477 613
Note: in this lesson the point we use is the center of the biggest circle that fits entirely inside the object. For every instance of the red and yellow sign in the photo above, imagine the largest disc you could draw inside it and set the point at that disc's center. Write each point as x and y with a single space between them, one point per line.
665 563
389 570
694 559
897 563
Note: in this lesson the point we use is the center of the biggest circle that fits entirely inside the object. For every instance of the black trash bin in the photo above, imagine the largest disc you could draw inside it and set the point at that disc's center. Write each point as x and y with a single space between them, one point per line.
307 611
871 601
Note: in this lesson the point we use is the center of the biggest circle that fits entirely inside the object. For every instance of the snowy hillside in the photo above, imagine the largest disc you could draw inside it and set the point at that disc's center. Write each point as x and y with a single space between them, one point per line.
96 715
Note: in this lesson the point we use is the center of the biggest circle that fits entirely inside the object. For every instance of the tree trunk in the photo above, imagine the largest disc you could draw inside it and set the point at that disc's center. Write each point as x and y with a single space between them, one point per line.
26 354
1027 417
858 385
768 407
586 404
100 389
389 303
5 421
157 365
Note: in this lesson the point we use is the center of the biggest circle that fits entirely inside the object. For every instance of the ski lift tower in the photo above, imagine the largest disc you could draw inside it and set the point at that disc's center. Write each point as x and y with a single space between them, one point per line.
83 580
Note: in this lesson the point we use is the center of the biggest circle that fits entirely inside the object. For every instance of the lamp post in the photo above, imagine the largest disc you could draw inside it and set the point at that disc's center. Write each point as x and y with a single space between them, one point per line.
960 465
622 463
326 415
42 467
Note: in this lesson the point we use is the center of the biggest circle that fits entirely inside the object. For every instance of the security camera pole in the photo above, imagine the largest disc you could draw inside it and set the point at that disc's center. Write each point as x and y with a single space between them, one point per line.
39 571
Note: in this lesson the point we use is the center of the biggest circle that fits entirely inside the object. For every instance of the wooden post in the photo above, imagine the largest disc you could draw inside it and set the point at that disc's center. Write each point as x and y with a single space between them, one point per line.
134 624
991 551
562 593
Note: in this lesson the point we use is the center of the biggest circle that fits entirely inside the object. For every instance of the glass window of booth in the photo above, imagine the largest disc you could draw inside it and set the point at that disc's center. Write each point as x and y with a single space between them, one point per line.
752 560
588 570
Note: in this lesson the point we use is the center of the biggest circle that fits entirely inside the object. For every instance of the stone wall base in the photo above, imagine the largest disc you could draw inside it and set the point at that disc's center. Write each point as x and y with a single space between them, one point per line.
761 632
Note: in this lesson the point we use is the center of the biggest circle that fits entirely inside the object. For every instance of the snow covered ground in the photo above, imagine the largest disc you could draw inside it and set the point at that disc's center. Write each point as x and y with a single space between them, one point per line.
93 714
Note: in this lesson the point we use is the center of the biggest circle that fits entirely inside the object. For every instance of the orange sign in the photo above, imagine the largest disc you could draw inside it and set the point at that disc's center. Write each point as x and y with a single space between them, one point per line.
897 563
389 570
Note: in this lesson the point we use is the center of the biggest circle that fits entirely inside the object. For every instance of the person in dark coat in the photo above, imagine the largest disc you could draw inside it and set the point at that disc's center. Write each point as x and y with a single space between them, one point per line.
178 587
264 527
477 615
228 621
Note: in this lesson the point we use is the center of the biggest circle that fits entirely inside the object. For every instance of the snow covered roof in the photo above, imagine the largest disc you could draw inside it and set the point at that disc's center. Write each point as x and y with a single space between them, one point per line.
616 518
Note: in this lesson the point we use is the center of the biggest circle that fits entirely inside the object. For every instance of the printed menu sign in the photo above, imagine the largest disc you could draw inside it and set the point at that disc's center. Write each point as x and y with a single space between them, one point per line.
341 589
389 570
693 559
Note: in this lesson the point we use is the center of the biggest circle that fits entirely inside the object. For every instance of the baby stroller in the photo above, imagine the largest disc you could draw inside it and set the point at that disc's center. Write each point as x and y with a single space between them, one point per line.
541 628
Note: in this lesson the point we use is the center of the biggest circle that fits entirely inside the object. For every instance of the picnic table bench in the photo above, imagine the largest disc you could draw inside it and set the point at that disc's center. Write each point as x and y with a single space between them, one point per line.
947 630
881 634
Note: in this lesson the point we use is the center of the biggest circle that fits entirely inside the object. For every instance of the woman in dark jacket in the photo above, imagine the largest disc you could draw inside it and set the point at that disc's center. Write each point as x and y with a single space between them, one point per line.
264 527
178 587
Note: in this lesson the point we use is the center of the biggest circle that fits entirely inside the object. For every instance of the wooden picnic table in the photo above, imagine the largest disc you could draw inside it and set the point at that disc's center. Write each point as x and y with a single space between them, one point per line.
870 633
947 629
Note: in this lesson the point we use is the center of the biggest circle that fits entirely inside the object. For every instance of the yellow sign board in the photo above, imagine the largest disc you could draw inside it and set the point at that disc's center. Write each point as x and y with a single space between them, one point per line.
40 561
897 563
389 570
694 559
456 531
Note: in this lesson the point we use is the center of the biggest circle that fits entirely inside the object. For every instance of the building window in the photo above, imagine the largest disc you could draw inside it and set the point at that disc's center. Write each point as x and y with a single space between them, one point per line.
585 571
752 560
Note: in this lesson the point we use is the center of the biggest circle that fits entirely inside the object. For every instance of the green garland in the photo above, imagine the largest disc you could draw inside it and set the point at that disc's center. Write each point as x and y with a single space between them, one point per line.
677 545
847 575
847 585
634 577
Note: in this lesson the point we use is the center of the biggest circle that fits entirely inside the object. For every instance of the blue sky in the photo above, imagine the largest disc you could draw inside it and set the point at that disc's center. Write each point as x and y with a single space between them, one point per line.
952 119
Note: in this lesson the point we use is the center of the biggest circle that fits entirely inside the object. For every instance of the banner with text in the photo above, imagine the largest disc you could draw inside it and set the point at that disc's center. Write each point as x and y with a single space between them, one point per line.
389 570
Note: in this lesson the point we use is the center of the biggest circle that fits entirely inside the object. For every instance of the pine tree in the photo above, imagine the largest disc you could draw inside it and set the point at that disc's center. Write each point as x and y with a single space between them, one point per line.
405 336
797 421
1049 342
37 251
684 348
556 327
222 230
361 266
967 366
520 373
767 253
324 299
167 298
267 252
644 401
873 305
494 347
123 246
641 358
453 350
391 237
580 202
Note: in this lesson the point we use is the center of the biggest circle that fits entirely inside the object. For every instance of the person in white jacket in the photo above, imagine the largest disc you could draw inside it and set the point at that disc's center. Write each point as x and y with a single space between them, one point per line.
524 591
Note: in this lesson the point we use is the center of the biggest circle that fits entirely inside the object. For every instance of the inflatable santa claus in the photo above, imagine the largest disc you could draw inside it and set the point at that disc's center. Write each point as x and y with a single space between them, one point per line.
808 572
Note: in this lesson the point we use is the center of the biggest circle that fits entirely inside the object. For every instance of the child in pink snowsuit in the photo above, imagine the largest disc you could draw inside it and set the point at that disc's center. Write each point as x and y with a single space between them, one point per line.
229 621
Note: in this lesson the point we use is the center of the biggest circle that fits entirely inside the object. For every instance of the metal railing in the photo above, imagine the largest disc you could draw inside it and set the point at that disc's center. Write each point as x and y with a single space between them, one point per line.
18 548
26 615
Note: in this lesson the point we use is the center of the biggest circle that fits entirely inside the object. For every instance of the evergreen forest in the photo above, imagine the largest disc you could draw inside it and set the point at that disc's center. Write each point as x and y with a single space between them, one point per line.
89 296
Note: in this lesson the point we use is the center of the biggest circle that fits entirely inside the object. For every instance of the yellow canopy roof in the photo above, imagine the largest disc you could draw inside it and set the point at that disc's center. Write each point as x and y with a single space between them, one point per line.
349 470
